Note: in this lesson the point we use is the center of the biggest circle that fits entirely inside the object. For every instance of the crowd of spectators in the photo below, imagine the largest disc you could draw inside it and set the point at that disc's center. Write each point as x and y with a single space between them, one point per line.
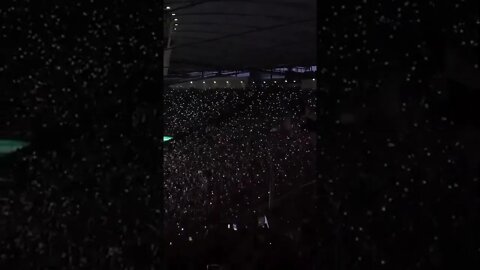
235 147
397 141
82 87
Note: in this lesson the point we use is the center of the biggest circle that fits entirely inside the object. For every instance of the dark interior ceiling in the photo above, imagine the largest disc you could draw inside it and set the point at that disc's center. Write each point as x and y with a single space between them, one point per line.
242 34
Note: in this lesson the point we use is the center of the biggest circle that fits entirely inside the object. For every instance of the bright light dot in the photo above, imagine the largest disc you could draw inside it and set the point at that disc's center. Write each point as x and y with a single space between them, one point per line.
227 82
167 7
241 81
214 81
191 82
285 80
313 79
175 29
264 82
176 24
203 81
175 19
173 14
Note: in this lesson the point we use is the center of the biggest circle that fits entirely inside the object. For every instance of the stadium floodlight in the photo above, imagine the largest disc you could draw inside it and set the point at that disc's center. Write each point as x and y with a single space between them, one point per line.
10 146
167 138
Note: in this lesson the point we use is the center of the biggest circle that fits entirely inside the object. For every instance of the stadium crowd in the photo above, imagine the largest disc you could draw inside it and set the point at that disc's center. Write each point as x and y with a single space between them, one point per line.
234 147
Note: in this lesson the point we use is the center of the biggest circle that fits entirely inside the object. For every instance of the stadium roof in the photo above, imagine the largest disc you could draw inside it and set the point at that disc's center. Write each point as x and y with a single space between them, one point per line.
240 34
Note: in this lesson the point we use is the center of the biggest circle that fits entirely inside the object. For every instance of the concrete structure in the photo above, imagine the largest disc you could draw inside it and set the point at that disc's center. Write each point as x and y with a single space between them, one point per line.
167 51
260 34
220 82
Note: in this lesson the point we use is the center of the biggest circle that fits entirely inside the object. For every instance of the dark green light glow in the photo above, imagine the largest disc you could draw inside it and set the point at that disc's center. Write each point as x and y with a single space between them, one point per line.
10 146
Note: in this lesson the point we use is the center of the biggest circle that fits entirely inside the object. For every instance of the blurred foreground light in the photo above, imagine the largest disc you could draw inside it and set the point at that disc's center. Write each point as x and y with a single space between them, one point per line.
167 138
10 146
